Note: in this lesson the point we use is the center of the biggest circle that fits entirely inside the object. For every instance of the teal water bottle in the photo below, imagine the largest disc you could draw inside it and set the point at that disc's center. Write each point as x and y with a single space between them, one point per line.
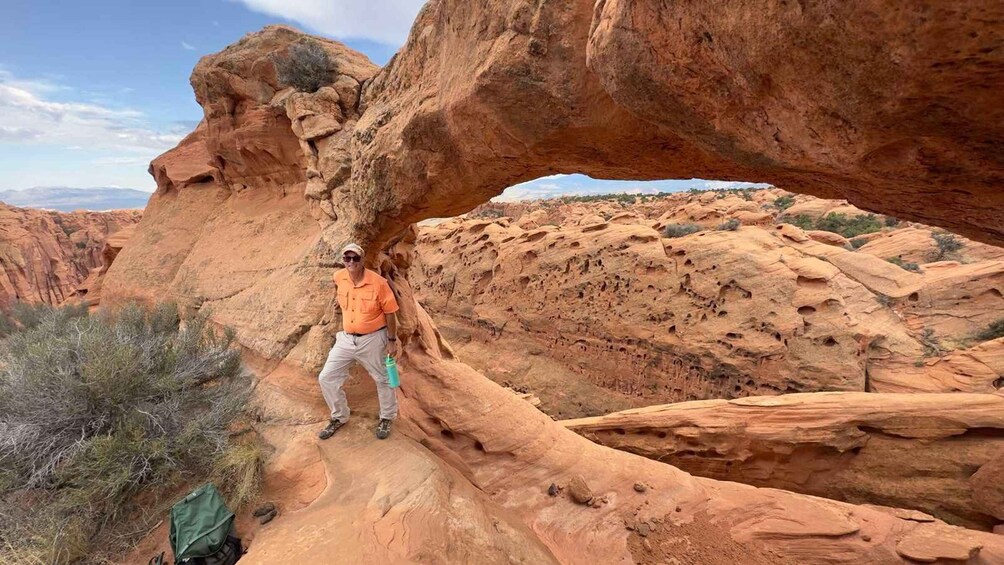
392 375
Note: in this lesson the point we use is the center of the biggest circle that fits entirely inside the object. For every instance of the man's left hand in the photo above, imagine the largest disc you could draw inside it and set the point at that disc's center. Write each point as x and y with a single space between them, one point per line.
394 349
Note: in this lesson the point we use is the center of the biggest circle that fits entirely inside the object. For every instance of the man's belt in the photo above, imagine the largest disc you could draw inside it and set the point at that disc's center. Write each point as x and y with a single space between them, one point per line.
361 335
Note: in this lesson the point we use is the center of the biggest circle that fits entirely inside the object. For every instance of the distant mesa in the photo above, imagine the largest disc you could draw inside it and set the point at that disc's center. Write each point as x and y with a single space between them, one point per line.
67 199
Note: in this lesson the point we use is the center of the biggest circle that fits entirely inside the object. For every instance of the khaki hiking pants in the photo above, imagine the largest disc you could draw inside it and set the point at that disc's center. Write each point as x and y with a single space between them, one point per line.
370 351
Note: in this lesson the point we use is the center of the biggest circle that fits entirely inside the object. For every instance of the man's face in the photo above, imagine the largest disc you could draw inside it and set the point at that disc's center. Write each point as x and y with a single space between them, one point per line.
352 262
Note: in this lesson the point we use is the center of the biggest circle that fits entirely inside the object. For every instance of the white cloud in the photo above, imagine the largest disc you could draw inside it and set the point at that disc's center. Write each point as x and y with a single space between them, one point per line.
187 46
116 161
31 85
12 133
386 21
29 114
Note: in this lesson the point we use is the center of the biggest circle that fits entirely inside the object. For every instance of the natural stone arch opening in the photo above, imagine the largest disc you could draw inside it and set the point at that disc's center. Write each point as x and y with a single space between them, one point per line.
524 102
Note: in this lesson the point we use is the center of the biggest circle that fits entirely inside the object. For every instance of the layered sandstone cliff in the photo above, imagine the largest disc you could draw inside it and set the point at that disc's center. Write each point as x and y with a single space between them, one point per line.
938 453
47 255
443 127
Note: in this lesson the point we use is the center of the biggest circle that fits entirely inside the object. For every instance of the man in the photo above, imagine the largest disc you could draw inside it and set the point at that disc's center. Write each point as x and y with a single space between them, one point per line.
370 333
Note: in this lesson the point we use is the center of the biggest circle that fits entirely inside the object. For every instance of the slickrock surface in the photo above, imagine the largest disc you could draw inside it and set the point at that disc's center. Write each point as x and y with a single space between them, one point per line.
920 451
717 314
46 255
445 126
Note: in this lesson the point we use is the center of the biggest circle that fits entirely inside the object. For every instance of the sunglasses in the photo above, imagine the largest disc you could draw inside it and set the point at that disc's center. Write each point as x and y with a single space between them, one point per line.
351 258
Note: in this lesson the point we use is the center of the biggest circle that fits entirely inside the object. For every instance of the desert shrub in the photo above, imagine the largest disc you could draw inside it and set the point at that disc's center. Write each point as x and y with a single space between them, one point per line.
81 245
903 264
803 221
784 202
305 66
993 331
891 221
731 224
883 300
837 223
97 410
848 227
238 473
487 213
621 198
26 316
857 243
947 244
680 230
932 346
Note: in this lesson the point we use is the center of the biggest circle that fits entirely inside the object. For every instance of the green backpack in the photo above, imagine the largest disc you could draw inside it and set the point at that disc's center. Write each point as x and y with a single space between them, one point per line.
201 526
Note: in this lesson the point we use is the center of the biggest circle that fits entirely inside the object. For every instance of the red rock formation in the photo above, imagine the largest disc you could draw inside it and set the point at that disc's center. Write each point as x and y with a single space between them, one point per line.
46 255
857 102
714 314
89 292
911 451
438 131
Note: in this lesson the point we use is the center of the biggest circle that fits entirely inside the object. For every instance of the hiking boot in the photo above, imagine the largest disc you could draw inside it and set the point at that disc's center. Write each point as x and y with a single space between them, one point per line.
330 429
383 429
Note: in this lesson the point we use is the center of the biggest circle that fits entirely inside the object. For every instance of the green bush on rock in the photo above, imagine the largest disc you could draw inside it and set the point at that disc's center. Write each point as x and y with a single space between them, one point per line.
95 410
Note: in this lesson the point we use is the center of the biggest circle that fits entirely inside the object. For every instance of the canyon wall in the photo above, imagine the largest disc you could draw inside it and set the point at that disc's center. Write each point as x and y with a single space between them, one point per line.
46 255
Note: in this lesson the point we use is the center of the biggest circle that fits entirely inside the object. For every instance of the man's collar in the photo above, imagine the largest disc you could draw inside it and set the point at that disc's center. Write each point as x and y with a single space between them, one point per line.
367 277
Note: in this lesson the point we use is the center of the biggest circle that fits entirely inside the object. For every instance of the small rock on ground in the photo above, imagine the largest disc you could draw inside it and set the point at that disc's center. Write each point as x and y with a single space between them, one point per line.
579 490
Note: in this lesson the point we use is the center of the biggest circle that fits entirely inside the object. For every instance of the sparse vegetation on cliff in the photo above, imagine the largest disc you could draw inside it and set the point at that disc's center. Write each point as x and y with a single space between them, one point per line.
96 411
732 224
849 226
947 244
784 202
993 331
899 262
837 223
680 230
306 66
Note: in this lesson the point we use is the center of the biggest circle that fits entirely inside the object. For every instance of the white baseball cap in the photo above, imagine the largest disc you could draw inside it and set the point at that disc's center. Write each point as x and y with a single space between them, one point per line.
353 248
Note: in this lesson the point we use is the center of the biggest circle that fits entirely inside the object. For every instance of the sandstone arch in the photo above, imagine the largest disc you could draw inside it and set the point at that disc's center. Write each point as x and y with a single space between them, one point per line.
482 97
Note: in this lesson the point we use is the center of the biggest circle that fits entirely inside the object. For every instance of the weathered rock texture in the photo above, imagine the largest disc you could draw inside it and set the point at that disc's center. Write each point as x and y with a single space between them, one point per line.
921 451
718 314
46 255
860 102
480 97
89 292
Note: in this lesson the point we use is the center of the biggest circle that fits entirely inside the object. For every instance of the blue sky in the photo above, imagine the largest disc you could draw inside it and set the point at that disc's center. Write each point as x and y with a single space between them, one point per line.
91 91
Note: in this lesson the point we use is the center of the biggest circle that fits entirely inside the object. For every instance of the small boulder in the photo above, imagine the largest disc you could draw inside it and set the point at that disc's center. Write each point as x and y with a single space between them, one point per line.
579 490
